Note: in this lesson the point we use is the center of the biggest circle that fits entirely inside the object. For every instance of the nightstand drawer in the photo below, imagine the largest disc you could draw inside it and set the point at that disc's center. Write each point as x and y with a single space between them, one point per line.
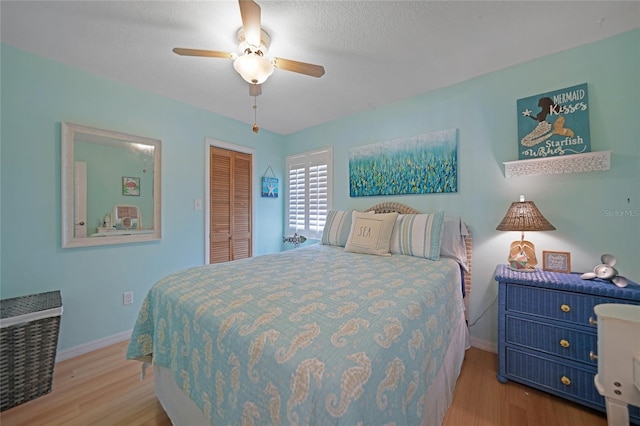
560 305
560 341
552 376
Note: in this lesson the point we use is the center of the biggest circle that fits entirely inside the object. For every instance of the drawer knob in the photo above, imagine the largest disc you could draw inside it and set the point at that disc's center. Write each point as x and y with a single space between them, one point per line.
592 321
565 308
592 356
564 343
565 380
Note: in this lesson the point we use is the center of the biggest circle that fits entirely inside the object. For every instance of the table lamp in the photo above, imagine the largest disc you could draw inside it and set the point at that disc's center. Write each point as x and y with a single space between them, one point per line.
523 216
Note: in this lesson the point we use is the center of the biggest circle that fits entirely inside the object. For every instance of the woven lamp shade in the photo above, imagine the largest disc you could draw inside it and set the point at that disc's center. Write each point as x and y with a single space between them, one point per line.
524 216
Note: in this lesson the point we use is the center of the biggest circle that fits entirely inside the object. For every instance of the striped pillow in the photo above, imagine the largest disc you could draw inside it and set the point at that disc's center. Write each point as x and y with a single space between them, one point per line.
418 235
336 228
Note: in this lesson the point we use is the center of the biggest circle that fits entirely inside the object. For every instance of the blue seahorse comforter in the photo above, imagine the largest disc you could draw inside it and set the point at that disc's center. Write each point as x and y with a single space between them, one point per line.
303 337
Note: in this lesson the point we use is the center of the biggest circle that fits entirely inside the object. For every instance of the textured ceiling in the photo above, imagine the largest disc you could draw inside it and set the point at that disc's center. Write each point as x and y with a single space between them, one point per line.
374 52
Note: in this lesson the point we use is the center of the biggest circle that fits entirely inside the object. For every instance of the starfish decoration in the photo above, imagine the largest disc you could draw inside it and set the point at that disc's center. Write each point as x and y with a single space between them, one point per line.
271 188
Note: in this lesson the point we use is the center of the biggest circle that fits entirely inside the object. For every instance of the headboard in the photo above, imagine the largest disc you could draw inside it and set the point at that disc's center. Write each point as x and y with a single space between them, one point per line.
404 209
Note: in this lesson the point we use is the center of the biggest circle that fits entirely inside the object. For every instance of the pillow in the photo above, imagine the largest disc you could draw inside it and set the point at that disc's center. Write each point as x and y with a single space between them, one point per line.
370 233
336 228
452 243
418 235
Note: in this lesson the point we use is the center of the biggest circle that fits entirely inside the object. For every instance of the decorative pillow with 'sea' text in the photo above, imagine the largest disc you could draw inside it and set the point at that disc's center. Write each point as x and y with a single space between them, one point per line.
370 233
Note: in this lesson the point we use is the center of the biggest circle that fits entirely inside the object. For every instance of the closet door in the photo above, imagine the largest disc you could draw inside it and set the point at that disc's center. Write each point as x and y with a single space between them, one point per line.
241 207
230 221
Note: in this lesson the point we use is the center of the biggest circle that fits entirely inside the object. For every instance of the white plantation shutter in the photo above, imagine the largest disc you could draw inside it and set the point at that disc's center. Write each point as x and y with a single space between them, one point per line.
297 196
308 192
318 194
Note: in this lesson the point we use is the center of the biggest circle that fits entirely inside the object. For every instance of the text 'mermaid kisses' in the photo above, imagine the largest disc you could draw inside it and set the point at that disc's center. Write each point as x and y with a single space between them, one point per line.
563 103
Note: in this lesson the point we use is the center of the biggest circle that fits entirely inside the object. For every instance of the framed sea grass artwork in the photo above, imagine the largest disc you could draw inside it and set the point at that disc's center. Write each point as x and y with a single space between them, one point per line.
421 164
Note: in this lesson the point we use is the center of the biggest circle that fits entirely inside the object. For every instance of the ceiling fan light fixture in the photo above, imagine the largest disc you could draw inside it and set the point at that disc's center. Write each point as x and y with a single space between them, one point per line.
253 67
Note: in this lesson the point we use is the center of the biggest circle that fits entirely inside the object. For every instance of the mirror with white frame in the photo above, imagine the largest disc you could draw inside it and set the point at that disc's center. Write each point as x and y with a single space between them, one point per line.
110 187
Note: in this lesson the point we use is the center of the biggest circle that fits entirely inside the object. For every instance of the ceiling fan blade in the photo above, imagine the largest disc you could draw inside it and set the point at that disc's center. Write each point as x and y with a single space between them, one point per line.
255 89
299 67
250 12
200 52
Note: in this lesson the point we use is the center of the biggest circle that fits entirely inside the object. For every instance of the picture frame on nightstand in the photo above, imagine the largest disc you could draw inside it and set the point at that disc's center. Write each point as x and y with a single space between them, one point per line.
556 261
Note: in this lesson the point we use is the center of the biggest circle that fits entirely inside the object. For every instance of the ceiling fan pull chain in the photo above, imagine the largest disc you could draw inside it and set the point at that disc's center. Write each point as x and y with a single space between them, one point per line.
255 109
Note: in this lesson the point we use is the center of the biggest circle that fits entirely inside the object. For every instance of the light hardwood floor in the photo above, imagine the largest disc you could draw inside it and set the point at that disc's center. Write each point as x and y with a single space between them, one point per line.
102 388
480 400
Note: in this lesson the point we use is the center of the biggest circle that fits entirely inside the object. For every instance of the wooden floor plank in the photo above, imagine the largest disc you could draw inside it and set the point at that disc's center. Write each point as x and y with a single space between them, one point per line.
103 388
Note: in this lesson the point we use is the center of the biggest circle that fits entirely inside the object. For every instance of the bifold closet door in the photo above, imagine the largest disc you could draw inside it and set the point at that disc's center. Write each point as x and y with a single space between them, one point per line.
230 209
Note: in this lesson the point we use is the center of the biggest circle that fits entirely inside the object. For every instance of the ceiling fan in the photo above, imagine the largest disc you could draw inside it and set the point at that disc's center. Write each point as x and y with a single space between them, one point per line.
253 64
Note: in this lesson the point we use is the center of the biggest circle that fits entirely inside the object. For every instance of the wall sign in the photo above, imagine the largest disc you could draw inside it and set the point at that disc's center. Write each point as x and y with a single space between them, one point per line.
270 187
554 123
269 184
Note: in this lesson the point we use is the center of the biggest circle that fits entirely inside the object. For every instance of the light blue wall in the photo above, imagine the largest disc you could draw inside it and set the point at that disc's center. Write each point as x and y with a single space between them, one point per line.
37 95
579 205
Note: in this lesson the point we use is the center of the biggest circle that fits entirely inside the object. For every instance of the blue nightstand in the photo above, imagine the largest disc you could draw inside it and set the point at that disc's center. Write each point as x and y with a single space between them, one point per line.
547 335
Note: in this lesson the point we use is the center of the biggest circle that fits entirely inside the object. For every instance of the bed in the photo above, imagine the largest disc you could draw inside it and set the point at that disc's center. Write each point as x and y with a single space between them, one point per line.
322 334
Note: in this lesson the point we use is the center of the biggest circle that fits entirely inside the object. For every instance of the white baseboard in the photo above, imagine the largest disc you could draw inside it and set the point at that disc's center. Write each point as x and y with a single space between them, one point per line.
485 345
92 346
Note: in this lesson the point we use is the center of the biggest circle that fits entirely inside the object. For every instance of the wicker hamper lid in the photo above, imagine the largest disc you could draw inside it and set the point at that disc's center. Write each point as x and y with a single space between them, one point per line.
30 308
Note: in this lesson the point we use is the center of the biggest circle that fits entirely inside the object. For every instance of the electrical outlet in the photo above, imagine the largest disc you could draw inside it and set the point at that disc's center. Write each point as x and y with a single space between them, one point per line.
127 298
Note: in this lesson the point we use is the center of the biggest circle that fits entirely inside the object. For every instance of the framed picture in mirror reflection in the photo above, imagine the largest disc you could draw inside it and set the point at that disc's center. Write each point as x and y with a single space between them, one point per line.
131 186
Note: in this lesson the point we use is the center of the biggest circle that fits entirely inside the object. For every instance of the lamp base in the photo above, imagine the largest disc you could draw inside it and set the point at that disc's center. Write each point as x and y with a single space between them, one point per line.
522 256
522 269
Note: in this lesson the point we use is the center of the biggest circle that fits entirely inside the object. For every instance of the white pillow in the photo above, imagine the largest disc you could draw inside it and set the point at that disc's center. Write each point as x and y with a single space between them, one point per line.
336 228
370 233
452 241
418 235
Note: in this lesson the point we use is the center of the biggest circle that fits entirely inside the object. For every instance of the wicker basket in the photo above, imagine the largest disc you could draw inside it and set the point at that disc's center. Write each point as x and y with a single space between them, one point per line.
29 329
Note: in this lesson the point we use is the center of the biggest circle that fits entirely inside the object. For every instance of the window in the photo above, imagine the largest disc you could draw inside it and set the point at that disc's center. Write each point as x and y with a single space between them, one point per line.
308 192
